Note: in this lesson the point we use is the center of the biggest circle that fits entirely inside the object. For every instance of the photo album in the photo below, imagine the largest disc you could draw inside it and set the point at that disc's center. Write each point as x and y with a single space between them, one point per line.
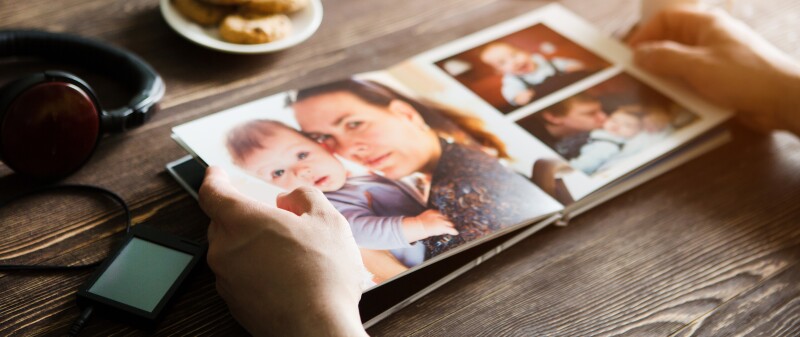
449 157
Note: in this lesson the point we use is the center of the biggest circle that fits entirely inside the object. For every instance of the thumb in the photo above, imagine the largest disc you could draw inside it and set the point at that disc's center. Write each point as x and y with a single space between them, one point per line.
668 58
305 200
311 201
221 201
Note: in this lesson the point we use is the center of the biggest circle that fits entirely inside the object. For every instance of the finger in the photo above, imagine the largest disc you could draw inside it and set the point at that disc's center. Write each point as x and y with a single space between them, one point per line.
222 290
680 23
667 58
225 205
216 192
214 259
451 231
305 200
213 232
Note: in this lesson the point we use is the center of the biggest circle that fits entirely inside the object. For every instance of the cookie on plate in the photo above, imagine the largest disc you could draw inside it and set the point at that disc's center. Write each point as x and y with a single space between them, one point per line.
200 12
253 29
225 2
274 6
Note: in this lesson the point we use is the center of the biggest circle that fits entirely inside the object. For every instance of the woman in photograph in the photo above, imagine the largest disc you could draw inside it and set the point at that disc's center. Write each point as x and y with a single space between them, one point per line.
450 162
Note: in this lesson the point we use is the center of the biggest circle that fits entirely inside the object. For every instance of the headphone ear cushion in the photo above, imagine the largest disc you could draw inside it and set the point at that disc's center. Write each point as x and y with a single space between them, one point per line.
99 57
49 125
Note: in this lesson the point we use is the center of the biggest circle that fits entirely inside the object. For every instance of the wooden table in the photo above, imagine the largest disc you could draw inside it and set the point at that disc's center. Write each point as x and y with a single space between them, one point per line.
711 248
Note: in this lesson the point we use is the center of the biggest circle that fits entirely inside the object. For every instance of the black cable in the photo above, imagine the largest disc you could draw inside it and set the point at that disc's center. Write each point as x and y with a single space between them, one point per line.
77 326
84 188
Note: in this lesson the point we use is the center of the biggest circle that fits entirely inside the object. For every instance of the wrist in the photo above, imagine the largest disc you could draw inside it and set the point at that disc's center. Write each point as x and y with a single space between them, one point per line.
413 229
335 315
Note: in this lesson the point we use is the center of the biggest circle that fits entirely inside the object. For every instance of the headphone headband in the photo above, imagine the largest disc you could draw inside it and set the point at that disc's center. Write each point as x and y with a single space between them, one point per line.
91 54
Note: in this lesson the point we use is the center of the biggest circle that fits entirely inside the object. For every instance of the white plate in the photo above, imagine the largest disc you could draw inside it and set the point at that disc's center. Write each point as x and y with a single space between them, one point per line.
304 23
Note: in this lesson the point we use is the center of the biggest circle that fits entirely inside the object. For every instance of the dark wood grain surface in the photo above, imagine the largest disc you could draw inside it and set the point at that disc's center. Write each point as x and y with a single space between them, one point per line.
711 248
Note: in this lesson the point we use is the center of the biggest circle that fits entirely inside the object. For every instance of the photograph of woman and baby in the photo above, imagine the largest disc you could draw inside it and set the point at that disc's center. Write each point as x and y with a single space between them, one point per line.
607 123
414 179
522 67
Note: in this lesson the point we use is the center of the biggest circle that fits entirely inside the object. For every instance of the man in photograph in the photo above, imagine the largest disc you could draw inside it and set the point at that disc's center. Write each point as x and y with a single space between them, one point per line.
565 126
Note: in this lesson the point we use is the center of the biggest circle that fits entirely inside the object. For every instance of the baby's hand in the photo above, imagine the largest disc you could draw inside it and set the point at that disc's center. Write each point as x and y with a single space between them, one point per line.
574 66
524 97
427 224
435 223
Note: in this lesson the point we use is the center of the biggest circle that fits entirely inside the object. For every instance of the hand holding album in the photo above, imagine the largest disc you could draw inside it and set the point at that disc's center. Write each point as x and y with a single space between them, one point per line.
724 61
243 227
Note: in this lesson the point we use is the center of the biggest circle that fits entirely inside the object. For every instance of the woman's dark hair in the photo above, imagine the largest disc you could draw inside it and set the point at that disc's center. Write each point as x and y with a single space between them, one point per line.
447 122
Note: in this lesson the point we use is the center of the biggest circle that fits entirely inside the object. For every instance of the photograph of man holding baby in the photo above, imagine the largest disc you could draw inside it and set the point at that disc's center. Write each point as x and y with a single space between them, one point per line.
522 67
614 120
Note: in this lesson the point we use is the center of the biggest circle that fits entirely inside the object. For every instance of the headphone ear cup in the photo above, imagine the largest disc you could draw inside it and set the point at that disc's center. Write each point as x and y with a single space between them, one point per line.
49 124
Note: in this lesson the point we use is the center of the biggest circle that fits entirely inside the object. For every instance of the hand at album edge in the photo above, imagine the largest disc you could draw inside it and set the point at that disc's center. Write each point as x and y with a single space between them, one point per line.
546 174
287 270
724 61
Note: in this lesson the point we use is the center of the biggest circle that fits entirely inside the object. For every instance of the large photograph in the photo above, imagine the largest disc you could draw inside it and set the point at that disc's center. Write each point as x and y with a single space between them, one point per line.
414 178
520 68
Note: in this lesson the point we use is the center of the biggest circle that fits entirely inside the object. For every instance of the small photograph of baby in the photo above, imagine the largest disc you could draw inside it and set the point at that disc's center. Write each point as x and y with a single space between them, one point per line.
607 123
522 67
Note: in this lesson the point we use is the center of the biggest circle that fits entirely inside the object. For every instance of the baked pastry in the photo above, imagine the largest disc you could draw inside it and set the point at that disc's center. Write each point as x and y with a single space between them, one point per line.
225 2
252 29
274 6
200 12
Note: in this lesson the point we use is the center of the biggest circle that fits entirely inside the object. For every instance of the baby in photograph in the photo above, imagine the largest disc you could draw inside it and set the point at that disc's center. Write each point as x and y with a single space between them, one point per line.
627 131
383 214
522 71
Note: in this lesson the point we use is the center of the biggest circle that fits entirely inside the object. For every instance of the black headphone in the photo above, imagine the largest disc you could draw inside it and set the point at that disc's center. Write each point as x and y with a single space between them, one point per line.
51 122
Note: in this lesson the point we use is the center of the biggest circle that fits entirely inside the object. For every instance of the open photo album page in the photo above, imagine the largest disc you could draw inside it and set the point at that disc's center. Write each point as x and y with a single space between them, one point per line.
415 179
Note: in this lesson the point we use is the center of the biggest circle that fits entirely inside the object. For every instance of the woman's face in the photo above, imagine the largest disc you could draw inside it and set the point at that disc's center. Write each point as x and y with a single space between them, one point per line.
393 139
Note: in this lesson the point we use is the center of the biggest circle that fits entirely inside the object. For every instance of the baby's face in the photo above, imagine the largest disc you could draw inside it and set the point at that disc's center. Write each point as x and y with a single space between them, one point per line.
289 160
508 60
623 124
